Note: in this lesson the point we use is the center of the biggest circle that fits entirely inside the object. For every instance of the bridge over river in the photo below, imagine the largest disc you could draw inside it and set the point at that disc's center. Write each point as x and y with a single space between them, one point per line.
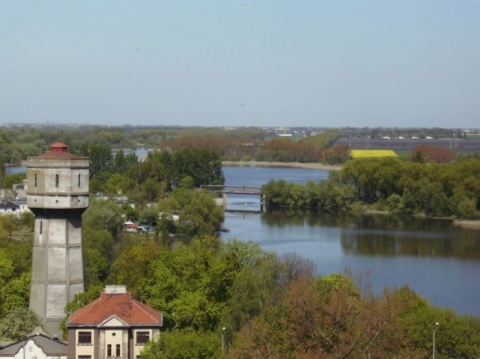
237 190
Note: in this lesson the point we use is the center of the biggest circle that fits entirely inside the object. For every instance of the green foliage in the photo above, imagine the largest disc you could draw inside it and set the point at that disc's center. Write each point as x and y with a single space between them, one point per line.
115 184
394 203
327 196
79 301
132 264
440 190
17 324
203 166
15 294
11 179
197 210
7 268
100 156
103 214
185 344
189 284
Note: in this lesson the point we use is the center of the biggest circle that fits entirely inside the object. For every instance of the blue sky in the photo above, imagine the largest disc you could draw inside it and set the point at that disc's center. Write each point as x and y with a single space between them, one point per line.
390 63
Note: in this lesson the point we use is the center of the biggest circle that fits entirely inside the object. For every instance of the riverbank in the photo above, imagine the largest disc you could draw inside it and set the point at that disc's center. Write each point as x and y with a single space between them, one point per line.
472 224
313 166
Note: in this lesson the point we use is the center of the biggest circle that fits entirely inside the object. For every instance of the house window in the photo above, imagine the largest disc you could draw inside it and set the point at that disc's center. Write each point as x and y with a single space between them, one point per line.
85 338
109 350
143 337
84 357
35 180
41 227
57 180
78 181
117 350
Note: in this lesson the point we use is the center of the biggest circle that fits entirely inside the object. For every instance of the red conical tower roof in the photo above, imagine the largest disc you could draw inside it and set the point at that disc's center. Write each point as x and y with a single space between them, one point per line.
58 150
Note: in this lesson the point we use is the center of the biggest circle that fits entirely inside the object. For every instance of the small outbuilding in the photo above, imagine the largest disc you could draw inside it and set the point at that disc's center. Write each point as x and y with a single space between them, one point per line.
37 345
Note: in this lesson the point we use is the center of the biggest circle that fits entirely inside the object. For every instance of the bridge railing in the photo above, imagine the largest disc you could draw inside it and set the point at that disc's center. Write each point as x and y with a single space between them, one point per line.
232 189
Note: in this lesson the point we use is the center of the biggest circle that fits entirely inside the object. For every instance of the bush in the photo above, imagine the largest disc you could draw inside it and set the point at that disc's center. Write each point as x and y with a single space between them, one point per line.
394 203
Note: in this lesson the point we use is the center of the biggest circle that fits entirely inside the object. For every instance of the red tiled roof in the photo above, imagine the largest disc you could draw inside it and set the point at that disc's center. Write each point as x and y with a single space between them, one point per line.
128 309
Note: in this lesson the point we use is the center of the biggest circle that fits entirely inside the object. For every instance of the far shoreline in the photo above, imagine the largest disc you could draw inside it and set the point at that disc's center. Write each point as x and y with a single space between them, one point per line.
313 166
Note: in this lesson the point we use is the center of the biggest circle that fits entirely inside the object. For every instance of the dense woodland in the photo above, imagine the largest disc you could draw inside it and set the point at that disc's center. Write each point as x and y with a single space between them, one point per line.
389 184
270 306
17 143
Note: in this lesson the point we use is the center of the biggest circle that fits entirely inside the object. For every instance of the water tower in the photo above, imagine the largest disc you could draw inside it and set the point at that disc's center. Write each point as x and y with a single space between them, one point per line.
57 193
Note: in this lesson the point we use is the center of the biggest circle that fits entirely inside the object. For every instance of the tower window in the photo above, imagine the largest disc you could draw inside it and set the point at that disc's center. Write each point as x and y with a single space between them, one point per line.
57 180
79 180
35 180
41 226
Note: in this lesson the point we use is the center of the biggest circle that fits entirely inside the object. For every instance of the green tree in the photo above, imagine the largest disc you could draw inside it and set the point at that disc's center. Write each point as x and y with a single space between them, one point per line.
17 324
132 264
79 301
199 214
203 166
103 214
11 179
116 184
185 344
15 294
7 268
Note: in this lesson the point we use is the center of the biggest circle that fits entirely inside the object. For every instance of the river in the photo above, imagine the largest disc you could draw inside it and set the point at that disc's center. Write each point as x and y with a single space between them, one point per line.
438 260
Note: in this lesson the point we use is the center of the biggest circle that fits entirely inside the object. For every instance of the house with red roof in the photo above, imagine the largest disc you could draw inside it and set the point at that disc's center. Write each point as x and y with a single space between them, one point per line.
113 326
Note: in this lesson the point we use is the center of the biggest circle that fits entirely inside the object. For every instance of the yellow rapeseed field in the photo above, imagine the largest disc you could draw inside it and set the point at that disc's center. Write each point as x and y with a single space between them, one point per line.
372 153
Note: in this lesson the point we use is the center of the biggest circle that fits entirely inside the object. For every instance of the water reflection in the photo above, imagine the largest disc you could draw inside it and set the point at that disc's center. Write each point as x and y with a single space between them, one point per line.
385 235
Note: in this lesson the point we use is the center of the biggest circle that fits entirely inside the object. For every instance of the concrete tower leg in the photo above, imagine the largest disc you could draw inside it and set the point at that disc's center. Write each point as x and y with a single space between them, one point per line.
57 264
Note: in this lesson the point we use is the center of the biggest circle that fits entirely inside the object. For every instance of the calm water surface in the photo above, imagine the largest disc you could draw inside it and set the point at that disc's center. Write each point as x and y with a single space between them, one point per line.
439 261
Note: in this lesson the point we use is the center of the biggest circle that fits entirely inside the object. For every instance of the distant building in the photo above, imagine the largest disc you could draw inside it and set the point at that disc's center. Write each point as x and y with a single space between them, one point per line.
20 190
113 326
15 208
9 208
36 346
132 227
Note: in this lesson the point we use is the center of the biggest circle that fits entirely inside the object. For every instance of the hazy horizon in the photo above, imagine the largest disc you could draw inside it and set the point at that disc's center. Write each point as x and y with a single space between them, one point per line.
236 64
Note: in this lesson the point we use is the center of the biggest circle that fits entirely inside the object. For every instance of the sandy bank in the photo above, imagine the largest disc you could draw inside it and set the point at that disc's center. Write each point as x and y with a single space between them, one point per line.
474 224
315 166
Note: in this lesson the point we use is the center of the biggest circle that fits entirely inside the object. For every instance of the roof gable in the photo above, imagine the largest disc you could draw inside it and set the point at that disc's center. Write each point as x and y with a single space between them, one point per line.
113 321
49 346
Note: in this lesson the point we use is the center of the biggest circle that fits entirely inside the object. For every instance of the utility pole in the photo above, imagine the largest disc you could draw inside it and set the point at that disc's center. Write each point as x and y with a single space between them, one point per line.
433 338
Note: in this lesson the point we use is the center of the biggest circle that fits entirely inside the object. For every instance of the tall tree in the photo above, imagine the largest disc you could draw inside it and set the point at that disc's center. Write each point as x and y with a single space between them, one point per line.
203 166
